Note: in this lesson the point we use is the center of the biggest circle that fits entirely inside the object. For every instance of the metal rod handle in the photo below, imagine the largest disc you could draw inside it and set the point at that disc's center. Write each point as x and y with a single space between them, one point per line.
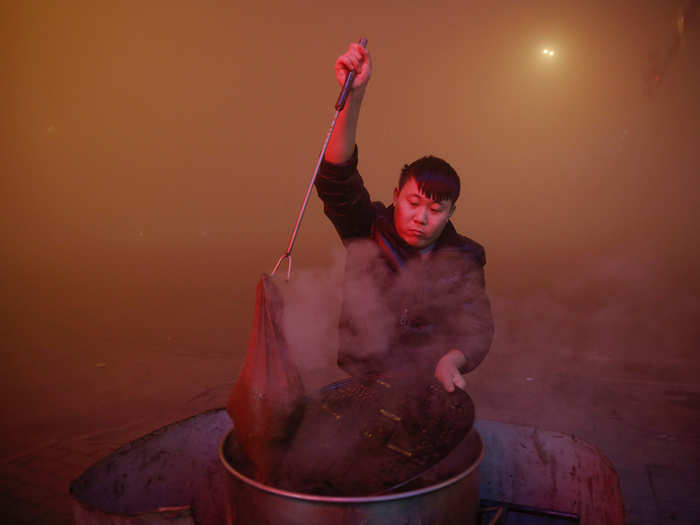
341 102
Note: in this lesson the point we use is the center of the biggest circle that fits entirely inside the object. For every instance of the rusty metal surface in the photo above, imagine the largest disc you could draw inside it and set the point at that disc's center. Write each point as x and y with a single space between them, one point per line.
549 470
85 515
171 476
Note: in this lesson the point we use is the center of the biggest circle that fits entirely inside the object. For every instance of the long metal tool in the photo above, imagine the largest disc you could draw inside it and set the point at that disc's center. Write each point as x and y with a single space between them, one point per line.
339 105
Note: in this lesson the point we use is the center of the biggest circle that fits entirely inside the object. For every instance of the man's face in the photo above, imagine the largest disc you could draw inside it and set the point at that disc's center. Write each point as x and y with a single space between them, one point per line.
418 219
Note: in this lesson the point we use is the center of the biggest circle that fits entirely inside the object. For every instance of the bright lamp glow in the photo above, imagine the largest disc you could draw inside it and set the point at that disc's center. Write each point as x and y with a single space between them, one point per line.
551 53
546 51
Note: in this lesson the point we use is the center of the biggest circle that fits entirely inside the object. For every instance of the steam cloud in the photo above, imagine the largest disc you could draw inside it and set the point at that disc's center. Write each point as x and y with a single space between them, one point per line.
375 301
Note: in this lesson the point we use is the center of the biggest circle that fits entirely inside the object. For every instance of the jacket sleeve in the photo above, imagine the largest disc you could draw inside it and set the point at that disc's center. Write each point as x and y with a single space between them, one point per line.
469 322
474 321
346 201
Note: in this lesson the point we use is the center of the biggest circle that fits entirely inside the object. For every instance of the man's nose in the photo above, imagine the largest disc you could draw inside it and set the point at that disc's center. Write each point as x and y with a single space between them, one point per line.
422 216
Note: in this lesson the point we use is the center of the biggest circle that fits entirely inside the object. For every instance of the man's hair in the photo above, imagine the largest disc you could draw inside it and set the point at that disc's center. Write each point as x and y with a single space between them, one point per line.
435 178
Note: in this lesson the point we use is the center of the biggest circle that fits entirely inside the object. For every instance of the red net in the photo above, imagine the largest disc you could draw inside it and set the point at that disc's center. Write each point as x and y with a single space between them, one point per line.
267 401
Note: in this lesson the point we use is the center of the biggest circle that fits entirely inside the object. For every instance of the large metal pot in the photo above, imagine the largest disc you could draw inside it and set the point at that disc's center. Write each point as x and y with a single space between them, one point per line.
446 495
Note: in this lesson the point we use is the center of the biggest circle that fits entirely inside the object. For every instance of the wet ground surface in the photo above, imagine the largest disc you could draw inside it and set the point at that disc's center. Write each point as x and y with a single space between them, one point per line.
98 357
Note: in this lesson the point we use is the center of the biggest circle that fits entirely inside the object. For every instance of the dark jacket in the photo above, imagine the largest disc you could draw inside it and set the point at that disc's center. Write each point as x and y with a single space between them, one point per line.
400 309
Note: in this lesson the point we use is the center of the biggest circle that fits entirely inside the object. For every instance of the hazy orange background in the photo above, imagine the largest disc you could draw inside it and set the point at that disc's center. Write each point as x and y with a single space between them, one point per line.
154 158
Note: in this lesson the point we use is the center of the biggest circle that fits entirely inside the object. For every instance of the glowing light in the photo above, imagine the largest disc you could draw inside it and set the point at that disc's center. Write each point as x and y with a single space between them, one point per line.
546 51
551 53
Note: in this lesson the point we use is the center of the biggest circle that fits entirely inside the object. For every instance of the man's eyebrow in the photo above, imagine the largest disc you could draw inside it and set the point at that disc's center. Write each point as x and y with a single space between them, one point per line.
423 196
433 202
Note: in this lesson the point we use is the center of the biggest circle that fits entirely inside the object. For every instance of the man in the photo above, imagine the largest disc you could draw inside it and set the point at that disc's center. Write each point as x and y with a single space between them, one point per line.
414 288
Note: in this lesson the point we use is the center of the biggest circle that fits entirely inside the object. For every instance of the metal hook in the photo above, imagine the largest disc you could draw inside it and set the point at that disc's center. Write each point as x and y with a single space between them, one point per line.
340 104
287 256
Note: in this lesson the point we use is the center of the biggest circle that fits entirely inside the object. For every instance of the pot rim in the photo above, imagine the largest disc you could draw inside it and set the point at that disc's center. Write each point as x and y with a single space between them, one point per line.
351 499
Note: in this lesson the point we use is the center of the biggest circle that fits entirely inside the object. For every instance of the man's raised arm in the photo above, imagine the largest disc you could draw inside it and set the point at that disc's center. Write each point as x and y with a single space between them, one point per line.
342 142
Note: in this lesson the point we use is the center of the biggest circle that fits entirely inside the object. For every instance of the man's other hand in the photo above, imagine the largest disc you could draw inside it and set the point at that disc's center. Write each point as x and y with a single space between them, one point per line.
356 59
447 370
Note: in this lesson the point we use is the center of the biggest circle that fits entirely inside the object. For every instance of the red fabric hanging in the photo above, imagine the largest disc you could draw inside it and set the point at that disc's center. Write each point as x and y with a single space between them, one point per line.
267 401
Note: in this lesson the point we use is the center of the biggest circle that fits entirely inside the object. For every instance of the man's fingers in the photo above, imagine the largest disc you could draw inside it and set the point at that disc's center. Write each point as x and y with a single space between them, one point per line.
356 59
346 61
459 382
355 47
342 75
